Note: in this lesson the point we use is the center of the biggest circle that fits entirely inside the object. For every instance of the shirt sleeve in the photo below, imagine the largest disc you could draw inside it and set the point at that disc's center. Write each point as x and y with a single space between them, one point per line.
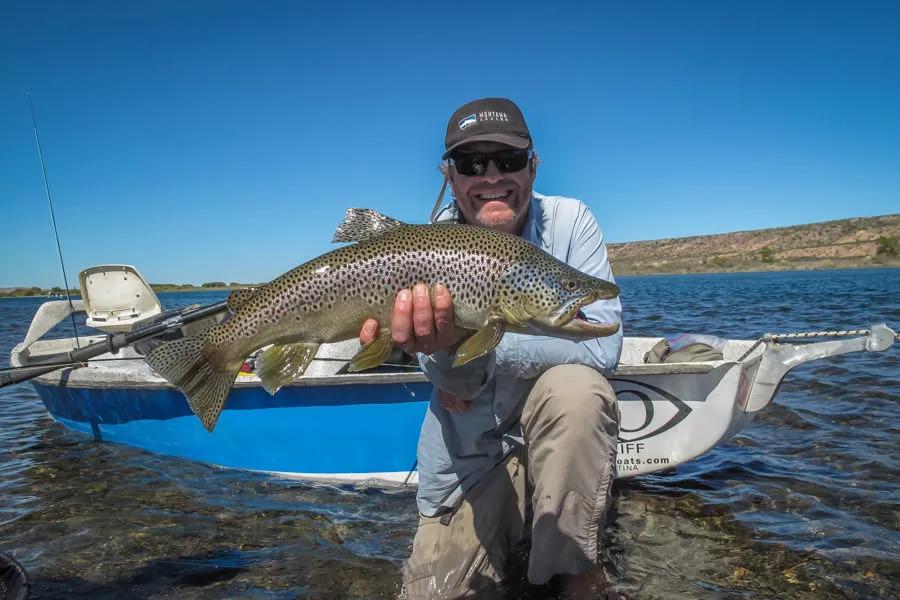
527 356
464 382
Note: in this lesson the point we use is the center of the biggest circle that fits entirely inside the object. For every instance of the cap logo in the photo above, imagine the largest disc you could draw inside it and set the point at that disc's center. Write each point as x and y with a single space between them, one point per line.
470 120
493 115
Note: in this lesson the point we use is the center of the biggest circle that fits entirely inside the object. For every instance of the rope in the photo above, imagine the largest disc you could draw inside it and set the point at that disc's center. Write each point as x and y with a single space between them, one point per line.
775 337
750 350
772 337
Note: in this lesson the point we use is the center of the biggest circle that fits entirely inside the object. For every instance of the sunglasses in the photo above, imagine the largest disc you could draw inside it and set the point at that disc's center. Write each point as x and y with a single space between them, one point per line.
476 163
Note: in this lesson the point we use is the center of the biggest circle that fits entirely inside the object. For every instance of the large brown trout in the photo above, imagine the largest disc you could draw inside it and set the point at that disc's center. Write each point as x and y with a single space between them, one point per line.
498 283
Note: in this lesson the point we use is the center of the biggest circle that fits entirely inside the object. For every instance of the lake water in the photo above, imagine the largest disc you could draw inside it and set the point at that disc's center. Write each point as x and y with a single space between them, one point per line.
804 503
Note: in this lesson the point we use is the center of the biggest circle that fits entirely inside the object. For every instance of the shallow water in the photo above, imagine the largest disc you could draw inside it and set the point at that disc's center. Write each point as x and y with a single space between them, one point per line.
803 503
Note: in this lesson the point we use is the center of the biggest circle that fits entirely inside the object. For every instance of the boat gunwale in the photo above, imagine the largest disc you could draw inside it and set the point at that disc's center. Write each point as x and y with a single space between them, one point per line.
366 378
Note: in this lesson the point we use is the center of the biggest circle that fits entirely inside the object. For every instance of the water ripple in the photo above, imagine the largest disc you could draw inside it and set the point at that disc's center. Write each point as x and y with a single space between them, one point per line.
802 504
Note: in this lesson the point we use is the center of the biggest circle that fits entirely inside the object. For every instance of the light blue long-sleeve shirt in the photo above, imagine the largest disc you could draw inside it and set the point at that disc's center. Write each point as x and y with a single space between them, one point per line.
457 448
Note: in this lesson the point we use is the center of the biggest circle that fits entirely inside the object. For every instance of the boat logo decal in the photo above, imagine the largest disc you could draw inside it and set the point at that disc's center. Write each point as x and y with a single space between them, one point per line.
656 421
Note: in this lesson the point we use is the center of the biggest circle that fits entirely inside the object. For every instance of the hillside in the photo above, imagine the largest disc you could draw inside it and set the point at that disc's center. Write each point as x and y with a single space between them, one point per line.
848 243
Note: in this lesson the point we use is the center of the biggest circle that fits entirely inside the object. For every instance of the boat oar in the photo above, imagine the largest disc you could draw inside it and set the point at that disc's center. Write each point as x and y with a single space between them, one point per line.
112 344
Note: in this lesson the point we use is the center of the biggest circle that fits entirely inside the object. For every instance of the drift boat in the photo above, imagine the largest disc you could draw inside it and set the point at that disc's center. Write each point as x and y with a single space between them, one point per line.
333 425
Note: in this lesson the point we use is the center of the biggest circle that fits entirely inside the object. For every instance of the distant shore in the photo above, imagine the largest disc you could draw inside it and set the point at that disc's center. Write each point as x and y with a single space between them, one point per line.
751 271
35 292
785 266
858 243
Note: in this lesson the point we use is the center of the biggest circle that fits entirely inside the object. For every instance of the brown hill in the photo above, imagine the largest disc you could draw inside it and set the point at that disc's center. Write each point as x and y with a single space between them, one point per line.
848 243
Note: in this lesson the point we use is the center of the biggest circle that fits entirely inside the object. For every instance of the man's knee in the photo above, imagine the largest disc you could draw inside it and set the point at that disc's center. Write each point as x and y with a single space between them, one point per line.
576 394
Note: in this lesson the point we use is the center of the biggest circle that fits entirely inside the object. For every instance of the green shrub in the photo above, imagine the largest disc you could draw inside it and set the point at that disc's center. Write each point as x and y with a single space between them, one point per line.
888 246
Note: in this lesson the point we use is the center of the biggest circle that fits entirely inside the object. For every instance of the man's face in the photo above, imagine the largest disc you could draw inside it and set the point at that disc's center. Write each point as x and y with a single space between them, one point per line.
493 199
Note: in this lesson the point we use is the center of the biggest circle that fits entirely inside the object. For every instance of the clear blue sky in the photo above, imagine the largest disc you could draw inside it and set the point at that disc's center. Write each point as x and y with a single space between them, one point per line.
211 140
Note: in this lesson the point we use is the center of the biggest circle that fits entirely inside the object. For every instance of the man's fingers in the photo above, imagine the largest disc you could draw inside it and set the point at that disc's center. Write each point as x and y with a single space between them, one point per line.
368 332
419 324
452 403
423 318
401 319
445 328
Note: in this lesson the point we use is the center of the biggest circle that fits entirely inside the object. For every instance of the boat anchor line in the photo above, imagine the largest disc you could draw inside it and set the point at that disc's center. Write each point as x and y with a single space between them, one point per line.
881 331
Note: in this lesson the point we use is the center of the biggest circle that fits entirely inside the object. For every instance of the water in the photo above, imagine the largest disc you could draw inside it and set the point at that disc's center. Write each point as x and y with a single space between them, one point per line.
802 504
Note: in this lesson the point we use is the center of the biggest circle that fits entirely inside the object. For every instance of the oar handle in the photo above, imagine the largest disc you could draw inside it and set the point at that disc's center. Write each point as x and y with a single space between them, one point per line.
113 343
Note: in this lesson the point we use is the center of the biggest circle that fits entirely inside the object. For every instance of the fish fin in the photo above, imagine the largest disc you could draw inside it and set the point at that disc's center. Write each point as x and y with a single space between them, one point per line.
238 298
184 364
280 364
360 224
482 342
372 354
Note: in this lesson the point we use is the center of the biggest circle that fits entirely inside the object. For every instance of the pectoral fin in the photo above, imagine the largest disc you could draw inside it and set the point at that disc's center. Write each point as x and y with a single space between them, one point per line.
279 365
372 354
485 340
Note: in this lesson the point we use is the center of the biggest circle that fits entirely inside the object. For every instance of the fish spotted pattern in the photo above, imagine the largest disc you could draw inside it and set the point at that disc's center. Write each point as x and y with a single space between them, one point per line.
498 283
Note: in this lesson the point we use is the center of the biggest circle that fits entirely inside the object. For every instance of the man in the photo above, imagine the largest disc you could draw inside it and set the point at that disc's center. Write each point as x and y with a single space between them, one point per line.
520 442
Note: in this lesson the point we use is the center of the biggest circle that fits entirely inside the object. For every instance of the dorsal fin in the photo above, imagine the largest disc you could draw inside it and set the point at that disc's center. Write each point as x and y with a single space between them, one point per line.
360 224
238 298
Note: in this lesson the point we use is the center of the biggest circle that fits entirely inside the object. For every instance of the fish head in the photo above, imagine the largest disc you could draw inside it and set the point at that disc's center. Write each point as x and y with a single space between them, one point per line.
545 296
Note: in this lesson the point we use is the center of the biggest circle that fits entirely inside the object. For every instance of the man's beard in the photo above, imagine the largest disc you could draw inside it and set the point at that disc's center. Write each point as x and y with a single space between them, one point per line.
494 218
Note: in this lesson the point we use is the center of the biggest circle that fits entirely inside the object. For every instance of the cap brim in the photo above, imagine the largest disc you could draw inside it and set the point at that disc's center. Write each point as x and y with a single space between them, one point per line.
507 139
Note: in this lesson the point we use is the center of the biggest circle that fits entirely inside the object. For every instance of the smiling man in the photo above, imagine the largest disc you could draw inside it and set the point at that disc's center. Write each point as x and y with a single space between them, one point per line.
520 443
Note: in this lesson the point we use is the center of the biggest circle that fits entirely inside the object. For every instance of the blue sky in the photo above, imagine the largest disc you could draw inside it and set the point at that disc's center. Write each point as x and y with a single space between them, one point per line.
219 140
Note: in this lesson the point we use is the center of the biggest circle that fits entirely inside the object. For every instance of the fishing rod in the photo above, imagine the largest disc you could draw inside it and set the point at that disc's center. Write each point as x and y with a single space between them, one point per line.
112 344
63 365
115 342
62 264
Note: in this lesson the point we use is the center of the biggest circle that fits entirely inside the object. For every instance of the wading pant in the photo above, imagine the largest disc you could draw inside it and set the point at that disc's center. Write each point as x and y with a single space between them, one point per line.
565 471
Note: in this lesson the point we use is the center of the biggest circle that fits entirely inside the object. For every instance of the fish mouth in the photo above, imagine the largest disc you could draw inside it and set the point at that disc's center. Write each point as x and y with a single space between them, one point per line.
572 323
581 326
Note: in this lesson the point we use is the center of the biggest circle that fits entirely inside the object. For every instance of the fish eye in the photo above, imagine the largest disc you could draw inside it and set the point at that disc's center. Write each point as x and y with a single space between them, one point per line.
570 284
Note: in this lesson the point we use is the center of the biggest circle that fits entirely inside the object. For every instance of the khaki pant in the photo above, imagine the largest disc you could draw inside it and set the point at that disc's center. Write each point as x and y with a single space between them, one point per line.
570 425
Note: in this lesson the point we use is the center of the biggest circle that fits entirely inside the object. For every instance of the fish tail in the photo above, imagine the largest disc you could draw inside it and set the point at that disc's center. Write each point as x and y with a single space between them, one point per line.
185 363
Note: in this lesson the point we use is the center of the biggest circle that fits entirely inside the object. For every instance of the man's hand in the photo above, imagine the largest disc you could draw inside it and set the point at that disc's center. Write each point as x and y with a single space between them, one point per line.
416 324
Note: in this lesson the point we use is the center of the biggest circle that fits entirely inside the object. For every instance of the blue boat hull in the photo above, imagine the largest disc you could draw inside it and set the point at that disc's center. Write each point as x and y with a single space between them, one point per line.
339 431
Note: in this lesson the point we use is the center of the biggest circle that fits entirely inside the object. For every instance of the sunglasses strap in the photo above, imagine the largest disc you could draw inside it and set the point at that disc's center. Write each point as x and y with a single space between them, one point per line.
437 205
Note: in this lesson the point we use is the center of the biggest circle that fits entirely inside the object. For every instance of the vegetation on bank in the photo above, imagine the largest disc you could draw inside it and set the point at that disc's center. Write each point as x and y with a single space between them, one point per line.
22 292
204 287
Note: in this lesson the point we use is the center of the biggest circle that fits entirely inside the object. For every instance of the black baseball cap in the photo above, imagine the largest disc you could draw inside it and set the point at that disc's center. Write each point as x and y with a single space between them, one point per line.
487 120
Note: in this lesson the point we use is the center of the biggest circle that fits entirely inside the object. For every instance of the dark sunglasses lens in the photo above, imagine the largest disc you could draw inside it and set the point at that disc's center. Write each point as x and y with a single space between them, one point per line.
470 164
512 161
476 164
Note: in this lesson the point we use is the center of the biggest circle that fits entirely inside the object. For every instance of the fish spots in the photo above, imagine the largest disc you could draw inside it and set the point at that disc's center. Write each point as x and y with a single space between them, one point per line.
482 268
